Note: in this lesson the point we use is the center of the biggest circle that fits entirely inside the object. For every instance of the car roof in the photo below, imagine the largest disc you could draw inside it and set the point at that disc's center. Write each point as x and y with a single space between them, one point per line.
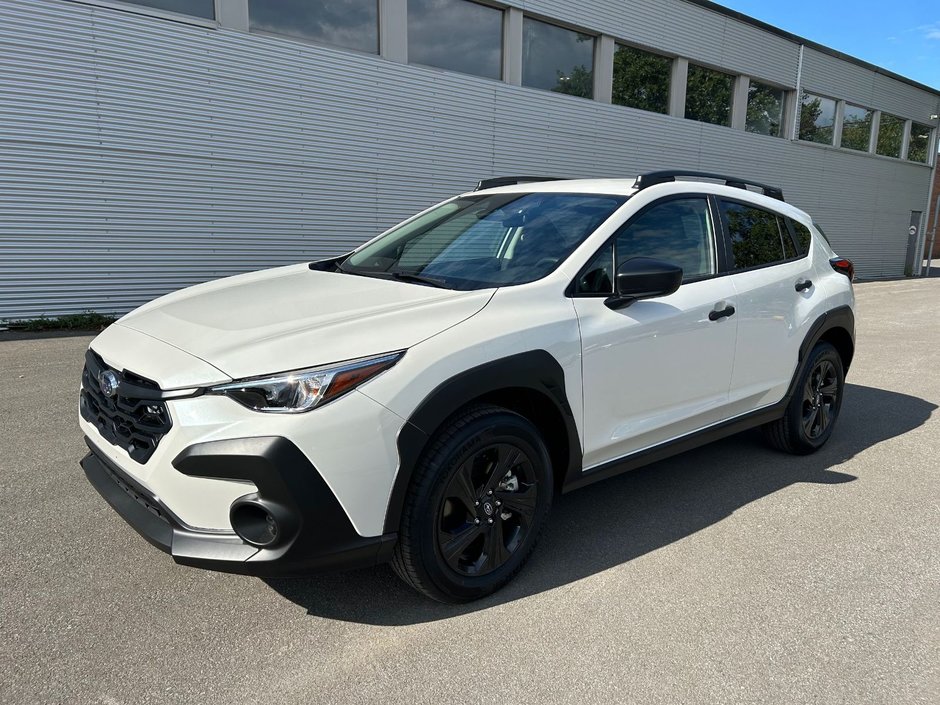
627 187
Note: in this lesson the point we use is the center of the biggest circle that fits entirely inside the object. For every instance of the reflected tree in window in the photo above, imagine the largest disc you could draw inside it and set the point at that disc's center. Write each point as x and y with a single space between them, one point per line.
817 119
890 136
755 235
856 128
764 109
557 59
641 79
920 143
579 82
708 96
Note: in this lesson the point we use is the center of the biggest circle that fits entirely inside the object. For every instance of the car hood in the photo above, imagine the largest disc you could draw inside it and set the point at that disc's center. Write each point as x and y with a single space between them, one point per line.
294 317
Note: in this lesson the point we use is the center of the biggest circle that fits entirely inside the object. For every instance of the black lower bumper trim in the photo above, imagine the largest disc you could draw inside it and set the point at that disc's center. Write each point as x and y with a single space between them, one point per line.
325 540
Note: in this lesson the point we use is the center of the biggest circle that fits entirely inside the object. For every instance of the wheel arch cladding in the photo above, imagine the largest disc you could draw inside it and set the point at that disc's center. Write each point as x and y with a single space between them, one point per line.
836 327
531 383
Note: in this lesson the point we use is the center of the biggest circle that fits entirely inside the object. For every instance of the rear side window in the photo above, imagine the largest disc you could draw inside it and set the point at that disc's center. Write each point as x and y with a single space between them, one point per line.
803 235
758 237
677 231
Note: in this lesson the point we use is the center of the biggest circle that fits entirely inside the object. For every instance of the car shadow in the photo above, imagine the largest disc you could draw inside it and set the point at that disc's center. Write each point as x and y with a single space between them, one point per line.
617 520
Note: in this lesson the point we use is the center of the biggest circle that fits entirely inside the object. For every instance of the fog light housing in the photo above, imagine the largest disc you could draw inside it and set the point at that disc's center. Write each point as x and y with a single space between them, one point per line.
259 523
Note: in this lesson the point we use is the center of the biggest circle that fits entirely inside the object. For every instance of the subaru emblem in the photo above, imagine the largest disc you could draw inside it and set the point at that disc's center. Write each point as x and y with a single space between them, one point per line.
108 382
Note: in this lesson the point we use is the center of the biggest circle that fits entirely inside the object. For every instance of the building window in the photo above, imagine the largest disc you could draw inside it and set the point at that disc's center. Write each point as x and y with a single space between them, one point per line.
557 59
817 119
456 35
708 96
856 127
352 24
193 8
764 109
920 143
641 79
890 136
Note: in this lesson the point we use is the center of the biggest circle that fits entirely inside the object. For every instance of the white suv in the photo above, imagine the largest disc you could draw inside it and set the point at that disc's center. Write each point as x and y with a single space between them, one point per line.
425 398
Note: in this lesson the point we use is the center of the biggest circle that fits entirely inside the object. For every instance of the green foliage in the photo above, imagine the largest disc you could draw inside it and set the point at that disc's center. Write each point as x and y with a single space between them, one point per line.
708 96
764 109
88 320
755 236
856 128
579 82
920 139
814 125
890 136
641 79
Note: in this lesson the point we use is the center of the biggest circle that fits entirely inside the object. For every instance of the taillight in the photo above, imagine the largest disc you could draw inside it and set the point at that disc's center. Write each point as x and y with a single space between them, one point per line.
843 266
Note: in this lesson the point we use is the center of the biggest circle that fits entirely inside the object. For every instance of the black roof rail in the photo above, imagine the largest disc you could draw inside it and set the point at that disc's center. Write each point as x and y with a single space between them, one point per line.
513 181
662 177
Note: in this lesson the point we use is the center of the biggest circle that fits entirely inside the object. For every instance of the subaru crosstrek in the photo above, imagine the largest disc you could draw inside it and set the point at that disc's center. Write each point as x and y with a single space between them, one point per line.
426 397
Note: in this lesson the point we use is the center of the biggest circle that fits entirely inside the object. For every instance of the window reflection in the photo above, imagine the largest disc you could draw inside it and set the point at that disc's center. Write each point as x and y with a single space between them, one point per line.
456 35
764 109
557 59
920 143
817 119
856 127
757 236
641 79
890 136
708 96
352 24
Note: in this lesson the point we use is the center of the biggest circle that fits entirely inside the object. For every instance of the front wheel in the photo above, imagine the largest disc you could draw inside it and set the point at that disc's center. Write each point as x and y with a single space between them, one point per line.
479 499
814 407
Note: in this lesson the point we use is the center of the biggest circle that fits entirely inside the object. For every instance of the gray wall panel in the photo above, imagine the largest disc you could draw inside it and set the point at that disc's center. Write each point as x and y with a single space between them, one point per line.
138 156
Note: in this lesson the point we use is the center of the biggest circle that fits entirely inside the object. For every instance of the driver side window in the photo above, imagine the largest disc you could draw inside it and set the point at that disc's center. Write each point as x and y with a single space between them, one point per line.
678 231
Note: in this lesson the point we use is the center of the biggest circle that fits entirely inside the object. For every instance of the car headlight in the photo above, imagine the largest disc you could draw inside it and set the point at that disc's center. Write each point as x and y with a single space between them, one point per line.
303 390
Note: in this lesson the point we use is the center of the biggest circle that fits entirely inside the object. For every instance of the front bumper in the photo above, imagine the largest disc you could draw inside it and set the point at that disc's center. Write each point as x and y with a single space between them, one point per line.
318 534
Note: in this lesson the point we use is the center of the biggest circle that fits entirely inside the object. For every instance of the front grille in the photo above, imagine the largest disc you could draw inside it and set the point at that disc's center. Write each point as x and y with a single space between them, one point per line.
134 424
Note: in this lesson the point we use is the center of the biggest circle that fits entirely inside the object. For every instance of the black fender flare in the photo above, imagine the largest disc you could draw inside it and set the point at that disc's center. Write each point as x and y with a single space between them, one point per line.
838 318
535 370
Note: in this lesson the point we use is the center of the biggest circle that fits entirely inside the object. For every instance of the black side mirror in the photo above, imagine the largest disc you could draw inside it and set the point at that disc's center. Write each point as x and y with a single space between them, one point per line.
644 278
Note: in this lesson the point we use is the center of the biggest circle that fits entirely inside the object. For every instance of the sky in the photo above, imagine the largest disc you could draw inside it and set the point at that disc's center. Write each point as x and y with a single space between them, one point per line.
902 36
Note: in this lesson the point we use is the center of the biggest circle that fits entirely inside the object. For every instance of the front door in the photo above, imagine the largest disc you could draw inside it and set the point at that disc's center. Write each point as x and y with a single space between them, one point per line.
659 368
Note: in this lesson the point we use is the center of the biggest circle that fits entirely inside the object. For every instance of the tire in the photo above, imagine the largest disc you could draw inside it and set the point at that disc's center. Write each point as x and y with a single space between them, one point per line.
814 408
468 527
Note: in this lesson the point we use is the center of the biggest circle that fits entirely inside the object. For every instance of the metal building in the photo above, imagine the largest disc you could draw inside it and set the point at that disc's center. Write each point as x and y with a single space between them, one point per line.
146 145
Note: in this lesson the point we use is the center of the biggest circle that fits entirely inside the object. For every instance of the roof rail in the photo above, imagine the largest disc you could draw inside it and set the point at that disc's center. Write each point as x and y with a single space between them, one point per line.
513 181
662 177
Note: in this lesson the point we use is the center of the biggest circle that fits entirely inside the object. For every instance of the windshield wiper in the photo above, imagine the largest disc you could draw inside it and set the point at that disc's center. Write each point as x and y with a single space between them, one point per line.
418 279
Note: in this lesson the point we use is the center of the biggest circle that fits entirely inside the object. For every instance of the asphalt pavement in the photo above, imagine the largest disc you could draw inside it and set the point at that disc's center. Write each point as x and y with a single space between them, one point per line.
729 574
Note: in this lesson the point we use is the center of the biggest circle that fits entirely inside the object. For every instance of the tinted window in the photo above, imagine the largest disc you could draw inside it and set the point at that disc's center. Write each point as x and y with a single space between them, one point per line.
757 236
708 96
479 242
803 235
197 8
920 142
817 119
456 35
890 136
557 59
678 231
856 127
641 79
353 24
764 109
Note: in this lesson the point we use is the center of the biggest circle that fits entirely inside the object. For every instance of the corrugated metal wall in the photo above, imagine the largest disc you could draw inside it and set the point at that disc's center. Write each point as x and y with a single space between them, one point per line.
138 156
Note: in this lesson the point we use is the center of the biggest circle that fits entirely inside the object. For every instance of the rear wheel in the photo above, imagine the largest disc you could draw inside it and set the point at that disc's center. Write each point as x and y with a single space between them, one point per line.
812 412
478 501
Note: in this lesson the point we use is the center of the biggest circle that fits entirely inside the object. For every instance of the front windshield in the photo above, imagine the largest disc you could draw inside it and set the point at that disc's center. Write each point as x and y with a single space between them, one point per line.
478 242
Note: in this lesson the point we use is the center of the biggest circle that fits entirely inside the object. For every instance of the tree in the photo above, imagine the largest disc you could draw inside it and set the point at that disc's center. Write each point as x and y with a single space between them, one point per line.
708 96
641 79
579 82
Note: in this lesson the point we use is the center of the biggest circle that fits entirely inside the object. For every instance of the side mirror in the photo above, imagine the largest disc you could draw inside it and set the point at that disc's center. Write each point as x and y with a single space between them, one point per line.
644 278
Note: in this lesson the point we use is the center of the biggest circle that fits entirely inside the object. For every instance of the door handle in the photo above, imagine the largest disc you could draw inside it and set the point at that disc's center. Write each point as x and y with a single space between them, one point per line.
718 315
803 285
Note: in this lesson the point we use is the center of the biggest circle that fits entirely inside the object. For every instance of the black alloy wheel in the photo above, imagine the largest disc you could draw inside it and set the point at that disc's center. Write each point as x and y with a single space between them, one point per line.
487 510
812 411
479 497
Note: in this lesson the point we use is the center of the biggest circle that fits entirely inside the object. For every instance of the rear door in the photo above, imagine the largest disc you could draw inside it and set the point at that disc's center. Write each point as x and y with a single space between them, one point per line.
775 298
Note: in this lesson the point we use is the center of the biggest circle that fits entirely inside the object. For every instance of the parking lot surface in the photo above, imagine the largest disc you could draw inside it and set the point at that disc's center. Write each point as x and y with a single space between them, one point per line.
729 574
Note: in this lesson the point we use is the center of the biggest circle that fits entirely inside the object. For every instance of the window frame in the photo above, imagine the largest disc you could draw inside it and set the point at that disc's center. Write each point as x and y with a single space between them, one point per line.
872 135
726 233
835 119
571 291
785 104
131 7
